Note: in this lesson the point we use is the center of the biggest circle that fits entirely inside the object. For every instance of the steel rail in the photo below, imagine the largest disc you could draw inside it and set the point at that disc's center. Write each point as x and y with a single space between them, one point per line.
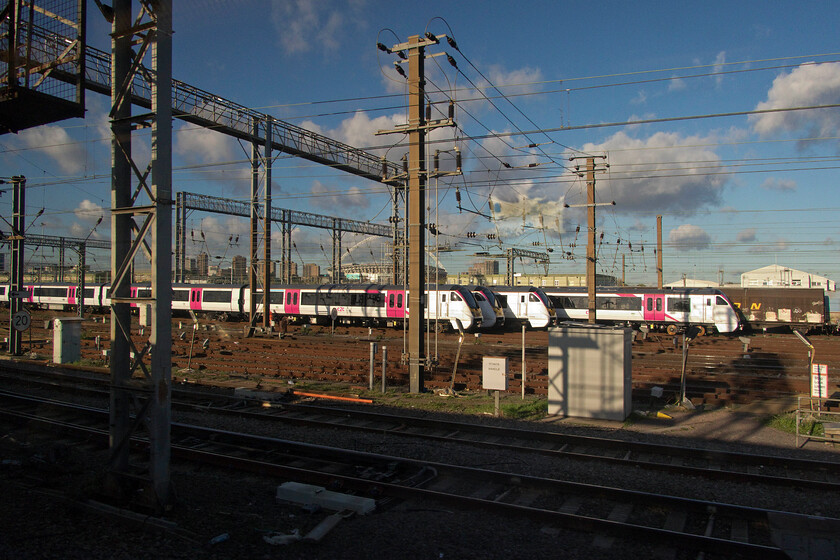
633 530
629 454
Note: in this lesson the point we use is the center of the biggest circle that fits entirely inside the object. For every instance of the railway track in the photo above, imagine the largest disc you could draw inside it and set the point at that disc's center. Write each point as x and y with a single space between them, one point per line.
679 460
678 527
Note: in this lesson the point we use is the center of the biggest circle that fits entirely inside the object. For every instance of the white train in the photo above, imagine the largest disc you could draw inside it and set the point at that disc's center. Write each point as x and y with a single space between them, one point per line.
492 314
670 309
371 303
525 305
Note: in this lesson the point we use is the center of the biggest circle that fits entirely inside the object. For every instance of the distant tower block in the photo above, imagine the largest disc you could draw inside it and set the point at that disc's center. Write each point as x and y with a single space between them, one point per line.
42 62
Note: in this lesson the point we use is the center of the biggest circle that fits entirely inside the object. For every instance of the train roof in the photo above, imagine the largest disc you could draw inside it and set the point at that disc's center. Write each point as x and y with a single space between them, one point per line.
377 287
515 288
628 290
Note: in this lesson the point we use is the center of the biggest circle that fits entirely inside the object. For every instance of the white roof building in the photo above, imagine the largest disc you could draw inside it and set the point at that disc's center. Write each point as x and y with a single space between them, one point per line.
775 276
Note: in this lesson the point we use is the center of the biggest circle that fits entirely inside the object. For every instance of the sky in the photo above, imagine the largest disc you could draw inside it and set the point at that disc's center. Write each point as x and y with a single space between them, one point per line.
710 114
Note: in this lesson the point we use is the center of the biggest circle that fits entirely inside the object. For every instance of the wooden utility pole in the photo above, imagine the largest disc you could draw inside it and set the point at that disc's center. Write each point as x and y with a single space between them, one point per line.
416 210
659 250
590 243
591 255
416 129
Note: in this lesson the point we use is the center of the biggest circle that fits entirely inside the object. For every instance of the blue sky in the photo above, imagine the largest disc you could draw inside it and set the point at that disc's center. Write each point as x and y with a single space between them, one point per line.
735 192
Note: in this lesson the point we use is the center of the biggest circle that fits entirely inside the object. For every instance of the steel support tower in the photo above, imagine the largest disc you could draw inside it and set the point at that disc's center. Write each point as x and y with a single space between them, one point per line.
141 209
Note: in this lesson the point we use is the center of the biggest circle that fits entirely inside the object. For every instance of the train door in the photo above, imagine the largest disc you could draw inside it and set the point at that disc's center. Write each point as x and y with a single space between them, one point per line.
444 298
395 303
195 299
654 307
71 295
292 304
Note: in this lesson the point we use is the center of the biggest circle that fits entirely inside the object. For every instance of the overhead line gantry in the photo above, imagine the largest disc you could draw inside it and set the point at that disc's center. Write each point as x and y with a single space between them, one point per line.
287 218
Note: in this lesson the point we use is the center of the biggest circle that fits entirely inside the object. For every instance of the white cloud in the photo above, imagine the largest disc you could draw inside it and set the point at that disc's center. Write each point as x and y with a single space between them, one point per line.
720 62
360 130
809 84
525 79
643 175
220 236
310 25
332 198
202 145
677 84
57 145
775 184
689 237
88 211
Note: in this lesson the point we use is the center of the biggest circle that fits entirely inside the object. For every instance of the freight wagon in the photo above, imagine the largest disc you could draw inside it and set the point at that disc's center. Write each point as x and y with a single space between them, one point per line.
793 308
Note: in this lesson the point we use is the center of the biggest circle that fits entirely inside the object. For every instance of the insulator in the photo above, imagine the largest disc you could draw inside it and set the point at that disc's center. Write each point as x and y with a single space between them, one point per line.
405 163
428 112
457 160
437 160
451 110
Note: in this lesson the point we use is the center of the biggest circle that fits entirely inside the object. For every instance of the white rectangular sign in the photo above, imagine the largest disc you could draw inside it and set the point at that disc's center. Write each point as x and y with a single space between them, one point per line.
494 374
819 380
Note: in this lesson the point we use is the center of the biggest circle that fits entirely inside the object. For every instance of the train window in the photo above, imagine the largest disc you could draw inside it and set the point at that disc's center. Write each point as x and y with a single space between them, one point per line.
479 296
650 304
178 295
443 298
288 298
295 298
88 292
391 300
50 292
399 301
719 300
222 296
679 305
532 298
455 297
659 304
708 301
606 302
522 299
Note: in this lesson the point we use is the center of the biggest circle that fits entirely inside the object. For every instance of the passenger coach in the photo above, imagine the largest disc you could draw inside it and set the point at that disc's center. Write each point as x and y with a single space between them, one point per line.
669 309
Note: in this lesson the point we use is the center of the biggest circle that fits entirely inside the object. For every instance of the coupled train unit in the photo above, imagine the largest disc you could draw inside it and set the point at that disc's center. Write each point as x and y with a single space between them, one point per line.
470 307
669 309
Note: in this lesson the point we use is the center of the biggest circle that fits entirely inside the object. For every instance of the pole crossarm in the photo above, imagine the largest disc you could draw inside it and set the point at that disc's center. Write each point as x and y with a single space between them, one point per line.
193 201
205 109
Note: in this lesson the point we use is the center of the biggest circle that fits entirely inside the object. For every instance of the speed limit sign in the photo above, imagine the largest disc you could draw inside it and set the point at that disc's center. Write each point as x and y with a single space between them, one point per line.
21 320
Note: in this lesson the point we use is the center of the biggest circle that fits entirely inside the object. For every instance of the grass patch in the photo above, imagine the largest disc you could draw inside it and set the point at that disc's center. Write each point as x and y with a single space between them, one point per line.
526 410
810 425
87 362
